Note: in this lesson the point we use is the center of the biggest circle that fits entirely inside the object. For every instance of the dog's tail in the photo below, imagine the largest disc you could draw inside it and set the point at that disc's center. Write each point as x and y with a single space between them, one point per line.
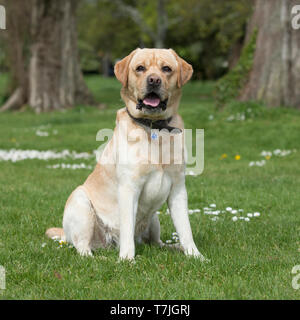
55 233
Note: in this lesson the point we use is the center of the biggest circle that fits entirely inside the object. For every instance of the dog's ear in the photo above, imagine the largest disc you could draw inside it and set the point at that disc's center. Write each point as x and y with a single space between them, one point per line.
122 67
185 70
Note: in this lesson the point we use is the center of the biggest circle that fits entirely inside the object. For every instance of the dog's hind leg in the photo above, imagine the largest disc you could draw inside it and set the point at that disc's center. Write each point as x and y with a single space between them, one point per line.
153 233
79 222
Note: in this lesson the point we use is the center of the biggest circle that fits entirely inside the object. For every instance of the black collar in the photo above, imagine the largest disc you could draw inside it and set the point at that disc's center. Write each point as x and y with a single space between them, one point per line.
155 124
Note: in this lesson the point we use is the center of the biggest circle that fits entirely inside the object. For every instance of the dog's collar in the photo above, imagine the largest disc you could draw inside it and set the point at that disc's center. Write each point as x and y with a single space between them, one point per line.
155 124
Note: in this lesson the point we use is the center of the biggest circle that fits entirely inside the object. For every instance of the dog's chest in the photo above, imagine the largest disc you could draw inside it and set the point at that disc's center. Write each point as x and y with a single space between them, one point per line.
156 190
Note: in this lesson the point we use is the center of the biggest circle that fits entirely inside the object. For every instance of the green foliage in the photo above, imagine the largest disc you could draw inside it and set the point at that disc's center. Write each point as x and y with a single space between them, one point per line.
89 60
244 110
104 31
206 32
201 31
229 86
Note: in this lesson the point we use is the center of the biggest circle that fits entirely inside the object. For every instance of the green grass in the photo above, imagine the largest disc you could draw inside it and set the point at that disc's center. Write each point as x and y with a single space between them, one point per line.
249 260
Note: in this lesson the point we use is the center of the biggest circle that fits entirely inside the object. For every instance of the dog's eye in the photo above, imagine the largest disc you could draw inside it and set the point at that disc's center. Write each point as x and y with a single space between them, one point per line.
140 68
166 69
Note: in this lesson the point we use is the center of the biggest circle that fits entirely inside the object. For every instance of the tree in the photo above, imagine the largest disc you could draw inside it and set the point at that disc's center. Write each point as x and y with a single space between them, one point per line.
105 35
158 36
199 30
16 40
52 79
275 74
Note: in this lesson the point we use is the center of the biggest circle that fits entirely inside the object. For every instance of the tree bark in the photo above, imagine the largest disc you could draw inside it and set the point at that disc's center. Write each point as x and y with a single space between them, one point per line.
276 66
162 24
53 79
16 37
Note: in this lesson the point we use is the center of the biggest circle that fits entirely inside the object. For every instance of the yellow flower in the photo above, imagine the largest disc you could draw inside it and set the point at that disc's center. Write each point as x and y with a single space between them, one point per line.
62 242
268 157
223 156
237 157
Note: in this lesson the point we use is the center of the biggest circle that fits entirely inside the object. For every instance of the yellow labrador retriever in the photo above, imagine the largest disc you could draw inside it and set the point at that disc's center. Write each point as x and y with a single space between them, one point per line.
117 204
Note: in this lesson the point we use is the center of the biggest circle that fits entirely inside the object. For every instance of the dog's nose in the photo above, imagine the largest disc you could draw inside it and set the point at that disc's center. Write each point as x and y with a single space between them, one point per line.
154 81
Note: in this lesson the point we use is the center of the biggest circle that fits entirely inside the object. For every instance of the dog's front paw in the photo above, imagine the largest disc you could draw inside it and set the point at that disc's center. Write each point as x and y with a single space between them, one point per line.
126 257
192 251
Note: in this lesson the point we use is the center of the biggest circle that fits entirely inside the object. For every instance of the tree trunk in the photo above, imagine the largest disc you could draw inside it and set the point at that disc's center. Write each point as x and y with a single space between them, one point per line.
162 24
54 78
16 37
275 73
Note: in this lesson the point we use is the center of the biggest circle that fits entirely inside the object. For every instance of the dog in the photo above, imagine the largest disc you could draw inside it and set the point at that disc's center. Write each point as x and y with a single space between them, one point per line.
117 203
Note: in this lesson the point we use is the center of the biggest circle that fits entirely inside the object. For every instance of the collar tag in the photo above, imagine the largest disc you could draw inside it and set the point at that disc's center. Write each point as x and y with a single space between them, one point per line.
154 134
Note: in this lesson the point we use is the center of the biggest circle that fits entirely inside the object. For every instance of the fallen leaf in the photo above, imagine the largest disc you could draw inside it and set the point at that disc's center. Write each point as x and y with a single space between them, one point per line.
57 275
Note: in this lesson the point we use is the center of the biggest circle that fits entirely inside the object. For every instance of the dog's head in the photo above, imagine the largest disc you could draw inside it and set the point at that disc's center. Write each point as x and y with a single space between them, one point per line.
152 81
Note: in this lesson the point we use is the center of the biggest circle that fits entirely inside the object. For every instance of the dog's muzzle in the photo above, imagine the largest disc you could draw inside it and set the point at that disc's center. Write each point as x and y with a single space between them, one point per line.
152 102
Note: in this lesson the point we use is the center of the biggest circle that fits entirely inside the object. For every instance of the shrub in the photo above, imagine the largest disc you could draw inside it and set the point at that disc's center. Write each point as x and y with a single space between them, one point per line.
230 85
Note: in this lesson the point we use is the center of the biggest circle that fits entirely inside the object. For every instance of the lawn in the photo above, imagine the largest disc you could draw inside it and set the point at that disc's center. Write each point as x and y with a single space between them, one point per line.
248 259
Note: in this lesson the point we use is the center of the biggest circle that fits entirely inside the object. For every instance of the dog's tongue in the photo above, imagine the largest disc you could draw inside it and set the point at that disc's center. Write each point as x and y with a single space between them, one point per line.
151 101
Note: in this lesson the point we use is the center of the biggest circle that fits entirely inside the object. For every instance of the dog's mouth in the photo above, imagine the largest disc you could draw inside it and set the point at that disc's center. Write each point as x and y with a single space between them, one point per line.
152 101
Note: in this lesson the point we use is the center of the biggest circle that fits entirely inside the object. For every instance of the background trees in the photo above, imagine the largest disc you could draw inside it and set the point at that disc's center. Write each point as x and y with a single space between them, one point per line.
206 33
42 49
48 44
275 74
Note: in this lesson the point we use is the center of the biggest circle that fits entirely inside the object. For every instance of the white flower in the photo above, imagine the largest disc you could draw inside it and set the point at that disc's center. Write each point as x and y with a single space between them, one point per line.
234 211
250 215
228 209
234 218
62 242
257 163
190 173
266 153
230 118
42 133
247 219
277 152
212 205
70 166
256 214
19 155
